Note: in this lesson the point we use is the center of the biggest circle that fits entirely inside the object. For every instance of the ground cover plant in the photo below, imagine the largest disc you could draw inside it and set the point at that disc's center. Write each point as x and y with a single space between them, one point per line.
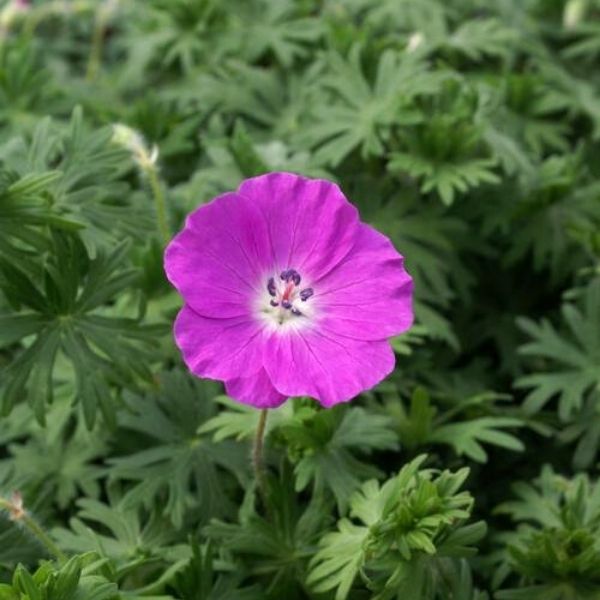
466 131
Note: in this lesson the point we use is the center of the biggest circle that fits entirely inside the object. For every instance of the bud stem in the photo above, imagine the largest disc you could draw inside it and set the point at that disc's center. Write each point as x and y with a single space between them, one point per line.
161 205
35 530
95 58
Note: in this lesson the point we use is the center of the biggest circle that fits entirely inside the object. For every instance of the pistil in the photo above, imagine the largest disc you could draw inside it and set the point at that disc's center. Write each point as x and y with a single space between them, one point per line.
285 294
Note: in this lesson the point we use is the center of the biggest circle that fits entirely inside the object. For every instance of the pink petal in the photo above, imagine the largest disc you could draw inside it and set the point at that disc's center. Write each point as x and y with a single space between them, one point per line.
368 295
218 262
332 369
256 390
220 348
311 224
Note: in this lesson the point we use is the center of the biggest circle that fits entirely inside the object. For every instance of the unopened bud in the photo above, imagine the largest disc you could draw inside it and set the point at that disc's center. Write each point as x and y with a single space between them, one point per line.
10 12
132 140
16 510
414 41
574 13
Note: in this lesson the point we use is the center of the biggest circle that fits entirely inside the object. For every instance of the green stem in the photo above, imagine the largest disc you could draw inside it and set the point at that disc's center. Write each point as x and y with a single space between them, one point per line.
161 205
44 538
257 458
95 58
35 530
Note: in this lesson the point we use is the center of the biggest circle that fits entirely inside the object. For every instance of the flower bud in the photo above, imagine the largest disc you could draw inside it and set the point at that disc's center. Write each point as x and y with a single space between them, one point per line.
17 510
132 140
414 41
10 13
574 13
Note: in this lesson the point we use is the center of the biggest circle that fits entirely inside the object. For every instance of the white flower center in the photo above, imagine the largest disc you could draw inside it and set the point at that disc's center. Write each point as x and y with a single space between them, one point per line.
286 301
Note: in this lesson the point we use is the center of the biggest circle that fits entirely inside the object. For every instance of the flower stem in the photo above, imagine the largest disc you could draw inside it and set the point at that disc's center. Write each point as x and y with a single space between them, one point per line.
95 58
44 538
257 458
161 205
19 514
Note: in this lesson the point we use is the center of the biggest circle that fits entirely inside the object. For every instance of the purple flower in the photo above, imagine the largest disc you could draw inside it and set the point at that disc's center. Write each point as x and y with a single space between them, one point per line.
287 293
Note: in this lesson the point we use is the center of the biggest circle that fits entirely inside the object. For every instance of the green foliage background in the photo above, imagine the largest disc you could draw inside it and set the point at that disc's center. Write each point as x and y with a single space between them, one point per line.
466 130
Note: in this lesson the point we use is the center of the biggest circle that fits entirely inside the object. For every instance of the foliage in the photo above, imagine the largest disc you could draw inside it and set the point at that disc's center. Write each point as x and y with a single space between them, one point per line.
467 132
420 425
577 353
79 578
406 527
176 459
555 549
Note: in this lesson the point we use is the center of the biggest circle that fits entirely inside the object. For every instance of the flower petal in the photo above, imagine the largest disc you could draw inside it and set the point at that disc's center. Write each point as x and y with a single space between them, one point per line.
368 295
332 369
311 224
219 259
219 348
255 390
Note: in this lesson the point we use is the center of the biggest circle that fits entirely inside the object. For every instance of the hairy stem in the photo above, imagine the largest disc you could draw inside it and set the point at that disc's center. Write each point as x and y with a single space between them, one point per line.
19 514
257 458
95 58
161 205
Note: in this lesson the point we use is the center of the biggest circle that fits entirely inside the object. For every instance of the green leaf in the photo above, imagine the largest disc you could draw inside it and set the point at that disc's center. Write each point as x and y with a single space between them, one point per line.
16 327
32 184
323 445
466 437
405 520
276 549
573 354
70 318
555 546
445 179
67 580
360 114
25 583
178 465
479 38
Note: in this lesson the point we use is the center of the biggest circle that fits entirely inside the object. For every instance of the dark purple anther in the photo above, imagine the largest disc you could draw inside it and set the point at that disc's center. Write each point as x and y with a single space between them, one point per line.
296 312
286 304
306 294
274 303
291 275
271 287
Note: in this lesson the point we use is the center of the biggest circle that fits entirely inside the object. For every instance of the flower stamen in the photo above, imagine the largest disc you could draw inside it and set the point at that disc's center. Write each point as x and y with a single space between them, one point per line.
291 275
306 293
284 295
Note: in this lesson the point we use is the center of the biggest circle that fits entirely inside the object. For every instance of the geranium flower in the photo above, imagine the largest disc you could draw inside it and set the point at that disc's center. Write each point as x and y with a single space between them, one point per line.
287 293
